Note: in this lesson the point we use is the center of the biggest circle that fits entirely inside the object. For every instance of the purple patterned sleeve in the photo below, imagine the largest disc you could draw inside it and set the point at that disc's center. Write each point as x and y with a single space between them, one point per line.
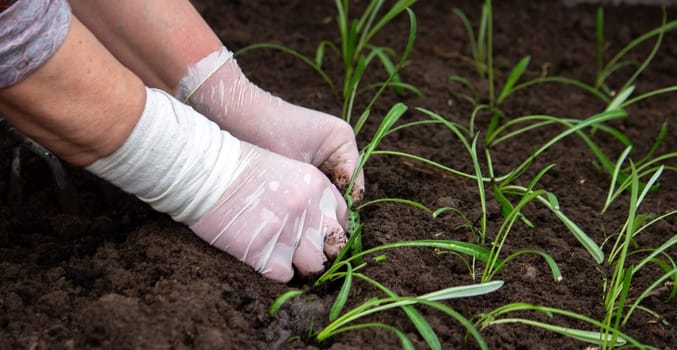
30 32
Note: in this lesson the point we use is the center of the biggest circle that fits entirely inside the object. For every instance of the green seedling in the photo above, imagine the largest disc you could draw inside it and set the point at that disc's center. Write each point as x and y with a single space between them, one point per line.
480 44
482 53
617 298
495 263
649 167
502 182
660 257
599 88
343 322
350 260
512 212
635 220
617 62
612 98
343 269
607 336
357 52
355 225
621 280
604 71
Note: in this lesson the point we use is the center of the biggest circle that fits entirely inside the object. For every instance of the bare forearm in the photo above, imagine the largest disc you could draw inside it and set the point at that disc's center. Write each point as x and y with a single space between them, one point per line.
81 104
157 39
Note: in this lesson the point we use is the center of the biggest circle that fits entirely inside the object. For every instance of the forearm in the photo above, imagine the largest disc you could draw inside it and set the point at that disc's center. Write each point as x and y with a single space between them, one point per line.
156 39
81 103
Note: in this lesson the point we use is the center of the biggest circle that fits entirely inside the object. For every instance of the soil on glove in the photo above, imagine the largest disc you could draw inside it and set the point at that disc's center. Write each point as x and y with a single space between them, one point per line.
116 275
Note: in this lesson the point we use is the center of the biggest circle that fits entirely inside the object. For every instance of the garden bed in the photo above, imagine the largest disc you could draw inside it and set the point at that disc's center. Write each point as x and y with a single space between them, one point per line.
117 275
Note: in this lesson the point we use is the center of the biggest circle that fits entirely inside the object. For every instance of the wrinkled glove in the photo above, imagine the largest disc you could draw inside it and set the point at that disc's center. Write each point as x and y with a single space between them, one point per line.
276 211
216 87
267 210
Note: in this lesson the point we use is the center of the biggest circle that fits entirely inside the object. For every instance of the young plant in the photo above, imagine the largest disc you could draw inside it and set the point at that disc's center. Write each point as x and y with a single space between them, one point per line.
502 185
482 52
660 257
340 323
617 62
355 225
350 260
607 336
357 52
480 44
495 263
617 295
599 89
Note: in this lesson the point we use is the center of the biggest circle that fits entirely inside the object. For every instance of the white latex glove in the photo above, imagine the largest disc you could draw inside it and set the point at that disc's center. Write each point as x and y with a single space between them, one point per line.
277 211
267 210
216 87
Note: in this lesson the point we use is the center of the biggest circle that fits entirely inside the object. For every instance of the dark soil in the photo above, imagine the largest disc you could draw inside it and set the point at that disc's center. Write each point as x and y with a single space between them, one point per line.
116 275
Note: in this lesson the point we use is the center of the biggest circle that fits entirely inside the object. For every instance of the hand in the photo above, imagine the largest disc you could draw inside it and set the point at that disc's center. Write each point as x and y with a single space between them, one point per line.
274 213
267 210
217 88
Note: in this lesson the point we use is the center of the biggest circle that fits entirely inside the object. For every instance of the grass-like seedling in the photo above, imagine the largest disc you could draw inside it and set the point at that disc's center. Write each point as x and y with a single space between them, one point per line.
355 226
618 289
495 263
342 323
350 261
346 322
481 43
502 185
481 48
606 336
618 61
357 51
618 302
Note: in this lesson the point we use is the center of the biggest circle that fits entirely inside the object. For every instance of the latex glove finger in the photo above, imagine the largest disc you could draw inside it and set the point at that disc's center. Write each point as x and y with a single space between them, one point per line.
324 239
339 161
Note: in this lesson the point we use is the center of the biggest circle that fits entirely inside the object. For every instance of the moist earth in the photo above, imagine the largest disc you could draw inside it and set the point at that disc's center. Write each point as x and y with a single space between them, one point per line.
116 275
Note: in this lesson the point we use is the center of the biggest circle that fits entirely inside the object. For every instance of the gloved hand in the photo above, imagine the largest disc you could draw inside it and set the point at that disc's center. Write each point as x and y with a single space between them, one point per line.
267 210
216 87
276 211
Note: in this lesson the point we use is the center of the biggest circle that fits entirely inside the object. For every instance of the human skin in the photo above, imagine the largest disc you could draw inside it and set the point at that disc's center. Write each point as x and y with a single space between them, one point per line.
156 39
81 104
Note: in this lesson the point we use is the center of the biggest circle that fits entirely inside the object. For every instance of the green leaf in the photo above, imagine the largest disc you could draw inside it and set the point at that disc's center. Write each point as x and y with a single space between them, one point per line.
277 304
579 334
514 76
342 296
464 291
621 97
593 249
